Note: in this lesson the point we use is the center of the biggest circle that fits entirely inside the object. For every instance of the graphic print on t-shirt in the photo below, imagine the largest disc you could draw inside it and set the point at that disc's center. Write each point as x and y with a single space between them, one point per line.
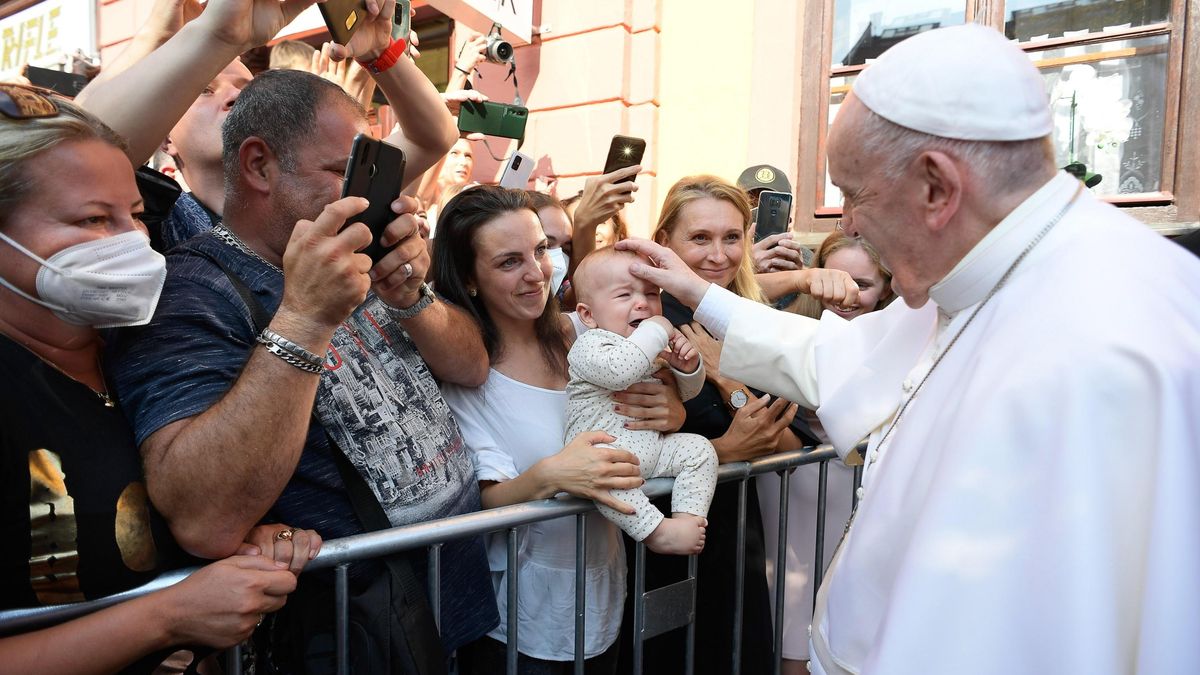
379 402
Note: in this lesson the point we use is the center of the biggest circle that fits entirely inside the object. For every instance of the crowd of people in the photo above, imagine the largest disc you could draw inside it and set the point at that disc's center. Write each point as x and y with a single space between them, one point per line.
209 372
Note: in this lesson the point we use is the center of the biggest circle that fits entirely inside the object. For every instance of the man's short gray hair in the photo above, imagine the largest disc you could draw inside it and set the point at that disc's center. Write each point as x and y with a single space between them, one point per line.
1001 165
280 107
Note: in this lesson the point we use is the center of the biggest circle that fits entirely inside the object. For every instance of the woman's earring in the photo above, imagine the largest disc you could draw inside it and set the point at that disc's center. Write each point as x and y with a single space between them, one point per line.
471 292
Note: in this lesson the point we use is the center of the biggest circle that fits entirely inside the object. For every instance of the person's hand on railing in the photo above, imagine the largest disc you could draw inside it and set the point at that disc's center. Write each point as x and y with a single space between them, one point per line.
583 470
755 429
655 406
221 604
289 546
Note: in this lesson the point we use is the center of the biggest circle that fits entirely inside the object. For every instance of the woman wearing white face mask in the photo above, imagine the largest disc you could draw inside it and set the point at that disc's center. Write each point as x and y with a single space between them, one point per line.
75 258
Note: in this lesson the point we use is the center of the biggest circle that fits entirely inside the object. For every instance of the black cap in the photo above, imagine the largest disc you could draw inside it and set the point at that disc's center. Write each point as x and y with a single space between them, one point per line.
764 177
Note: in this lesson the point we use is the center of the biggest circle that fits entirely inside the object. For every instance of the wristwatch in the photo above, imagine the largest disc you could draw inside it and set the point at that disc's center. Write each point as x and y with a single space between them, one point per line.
738 398
409 312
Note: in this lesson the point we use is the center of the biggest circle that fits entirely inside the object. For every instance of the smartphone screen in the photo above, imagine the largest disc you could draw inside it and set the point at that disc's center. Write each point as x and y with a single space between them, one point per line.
624 151
773 215
375 171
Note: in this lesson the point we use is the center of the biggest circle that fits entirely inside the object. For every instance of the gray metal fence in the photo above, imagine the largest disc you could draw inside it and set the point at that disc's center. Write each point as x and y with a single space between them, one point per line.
655 611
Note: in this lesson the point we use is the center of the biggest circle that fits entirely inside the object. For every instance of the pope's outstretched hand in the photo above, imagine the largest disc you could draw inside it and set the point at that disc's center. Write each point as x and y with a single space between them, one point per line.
666 270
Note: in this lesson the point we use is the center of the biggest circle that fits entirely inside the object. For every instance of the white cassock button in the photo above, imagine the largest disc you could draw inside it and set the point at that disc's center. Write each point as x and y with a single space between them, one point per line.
874 456
907 386
859 493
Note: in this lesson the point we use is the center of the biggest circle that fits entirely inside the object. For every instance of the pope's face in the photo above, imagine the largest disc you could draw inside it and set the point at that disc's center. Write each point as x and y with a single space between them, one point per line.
878 208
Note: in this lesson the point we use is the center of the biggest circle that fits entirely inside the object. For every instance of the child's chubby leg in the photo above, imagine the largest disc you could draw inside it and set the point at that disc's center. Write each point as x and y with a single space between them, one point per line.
693 461
681 534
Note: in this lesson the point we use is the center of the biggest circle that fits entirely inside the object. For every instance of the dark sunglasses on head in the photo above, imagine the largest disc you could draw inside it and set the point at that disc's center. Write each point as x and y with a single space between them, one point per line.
19 102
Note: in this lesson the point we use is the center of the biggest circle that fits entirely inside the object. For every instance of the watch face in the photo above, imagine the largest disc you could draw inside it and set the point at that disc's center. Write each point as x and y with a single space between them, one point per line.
738 398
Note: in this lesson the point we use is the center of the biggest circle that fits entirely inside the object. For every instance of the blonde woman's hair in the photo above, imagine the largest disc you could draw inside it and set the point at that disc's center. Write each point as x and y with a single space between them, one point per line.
23 140
692 188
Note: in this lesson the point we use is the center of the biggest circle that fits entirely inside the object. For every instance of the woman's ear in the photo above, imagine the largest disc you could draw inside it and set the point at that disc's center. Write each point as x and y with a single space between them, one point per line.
585 315
661 237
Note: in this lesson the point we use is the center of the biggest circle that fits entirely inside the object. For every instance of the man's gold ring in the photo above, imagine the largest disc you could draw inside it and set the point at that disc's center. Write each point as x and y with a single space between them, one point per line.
285 535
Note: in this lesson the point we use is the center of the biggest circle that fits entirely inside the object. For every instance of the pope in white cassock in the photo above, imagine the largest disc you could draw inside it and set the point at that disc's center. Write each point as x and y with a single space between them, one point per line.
1031 497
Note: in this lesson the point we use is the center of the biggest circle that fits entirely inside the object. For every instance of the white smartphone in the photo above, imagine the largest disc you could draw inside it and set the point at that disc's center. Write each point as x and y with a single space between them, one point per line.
516 172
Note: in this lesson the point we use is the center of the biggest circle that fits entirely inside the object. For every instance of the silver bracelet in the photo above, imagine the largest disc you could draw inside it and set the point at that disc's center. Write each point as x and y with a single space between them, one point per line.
290 352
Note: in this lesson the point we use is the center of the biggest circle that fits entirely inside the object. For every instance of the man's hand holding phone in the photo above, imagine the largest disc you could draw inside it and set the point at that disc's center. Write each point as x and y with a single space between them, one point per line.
778 253
397 277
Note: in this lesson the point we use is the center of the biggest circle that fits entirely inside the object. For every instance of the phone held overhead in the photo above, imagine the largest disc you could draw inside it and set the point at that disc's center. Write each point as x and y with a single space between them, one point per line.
493 119
516 171
375 171
773 214
624 151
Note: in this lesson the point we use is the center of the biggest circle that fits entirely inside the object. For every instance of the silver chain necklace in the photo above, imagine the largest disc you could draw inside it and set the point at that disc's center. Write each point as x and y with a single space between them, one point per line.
227 236
978 308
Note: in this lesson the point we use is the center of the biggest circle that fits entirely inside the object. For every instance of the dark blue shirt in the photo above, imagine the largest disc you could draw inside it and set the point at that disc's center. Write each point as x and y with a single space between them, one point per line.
376 399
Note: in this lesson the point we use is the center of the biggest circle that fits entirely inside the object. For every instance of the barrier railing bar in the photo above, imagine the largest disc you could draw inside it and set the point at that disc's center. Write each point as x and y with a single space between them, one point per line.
341 596
384 542
639 604
511 630
435 583
818 568
781 566
739 582
233 660
689 659
580 587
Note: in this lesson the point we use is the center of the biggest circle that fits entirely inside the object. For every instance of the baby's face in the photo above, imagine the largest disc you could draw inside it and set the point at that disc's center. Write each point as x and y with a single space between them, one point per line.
620 300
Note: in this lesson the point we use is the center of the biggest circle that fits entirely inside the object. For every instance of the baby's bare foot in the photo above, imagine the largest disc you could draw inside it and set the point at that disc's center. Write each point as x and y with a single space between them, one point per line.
681 534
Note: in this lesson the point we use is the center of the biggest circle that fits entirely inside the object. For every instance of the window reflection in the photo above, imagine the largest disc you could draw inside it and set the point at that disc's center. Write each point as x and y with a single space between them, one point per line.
864 29
1036 20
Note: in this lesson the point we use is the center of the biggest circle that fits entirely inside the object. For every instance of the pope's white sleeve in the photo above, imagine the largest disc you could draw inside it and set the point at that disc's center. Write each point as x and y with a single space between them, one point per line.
716 309
690 384
770 350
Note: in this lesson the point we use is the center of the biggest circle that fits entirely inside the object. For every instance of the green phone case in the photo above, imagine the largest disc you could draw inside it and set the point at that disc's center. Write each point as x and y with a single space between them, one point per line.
493 119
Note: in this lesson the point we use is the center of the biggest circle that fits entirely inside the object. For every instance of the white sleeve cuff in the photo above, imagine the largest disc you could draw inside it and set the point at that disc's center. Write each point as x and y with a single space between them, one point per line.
649 337
716 309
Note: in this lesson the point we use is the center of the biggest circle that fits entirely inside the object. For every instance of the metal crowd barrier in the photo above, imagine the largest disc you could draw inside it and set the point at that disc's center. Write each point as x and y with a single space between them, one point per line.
655 611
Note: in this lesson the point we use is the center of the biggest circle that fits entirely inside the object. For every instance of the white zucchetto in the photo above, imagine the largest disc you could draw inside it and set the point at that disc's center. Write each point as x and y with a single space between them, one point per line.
966 82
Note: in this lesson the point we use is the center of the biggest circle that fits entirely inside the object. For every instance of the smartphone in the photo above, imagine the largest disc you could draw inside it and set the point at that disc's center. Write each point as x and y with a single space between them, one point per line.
402 23
375 170
342 18
516 172
774 214
622 152
493 119
67 84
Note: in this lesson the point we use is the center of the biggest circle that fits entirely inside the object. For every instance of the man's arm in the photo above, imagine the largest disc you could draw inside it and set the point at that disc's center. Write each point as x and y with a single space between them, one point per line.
214 475
450 342
145 101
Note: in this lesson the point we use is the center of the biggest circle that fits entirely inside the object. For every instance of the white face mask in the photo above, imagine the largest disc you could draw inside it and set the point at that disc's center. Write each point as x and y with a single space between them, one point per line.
105 283
561 262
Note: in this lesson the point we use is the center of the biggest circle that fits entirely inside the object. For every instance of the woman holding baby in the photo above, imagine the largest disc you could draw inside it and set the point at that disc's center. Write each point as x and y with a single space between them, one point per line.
491 258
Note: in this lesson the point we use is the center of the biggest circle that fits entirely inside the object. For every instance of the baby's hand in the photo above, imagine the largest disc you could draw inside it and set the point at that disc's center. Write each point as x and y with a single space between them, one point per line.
682 354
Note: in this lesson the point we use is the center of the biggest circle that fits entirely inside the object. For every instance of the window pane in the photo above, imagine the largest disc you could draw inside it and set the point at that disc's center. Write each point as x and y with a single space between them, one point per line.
864 29
1109 97
1109 103
1035 20
838 88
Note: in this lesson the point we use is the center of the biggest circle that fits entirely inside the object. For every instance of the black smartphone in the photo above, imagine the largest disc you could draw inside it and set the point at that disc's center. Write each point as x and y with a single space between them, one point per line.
342 18
67 84
375 170
774 214
493 119
622 152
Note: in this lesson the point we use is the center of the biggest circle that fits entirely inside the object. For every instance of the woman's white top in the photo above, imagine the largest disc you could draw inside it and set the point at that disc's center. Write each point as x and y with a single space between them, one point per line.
509 426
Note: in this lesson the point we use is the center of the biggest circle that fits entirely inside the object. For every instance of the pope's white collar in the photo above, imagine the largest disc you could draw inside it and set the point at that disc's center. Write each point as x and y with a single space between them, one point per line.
980 270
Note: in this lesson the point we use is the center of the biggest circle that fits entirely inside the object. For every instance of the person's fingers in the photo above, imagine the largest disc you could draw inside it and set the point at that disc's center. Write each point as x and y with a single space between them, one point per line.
771 241
282 551
606 498
301 543
594 437
755 404
656 424
248 548
402 226
617 456
640 412
261 563
335 214
643 396
279 582
622 173
315 547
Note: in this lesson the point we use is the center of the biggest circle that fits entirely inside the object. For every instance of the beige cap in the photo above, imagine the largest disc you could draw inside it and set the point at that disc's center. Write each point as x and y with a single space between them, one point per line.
966 82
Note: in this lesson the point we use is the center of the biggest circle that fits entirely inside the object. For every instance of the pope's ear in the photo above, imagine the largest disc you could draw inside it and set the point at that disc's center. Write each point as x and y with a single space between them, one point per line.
941 188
